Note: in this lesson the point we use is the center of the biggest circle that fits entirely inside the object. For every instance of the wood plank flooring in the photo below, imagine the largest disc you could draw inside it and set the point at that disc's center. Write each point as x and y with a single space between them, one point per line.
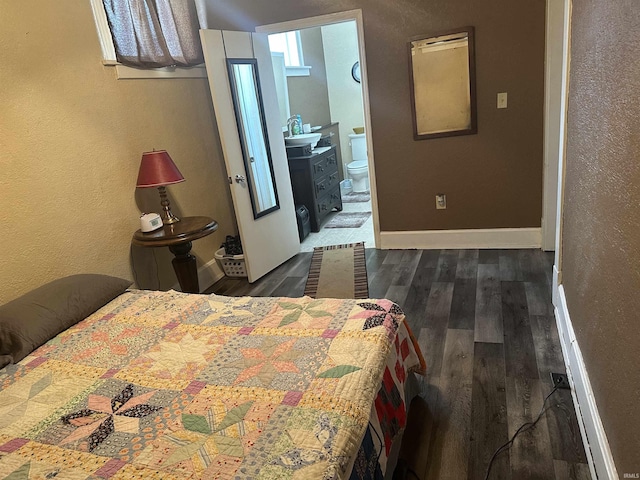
485 324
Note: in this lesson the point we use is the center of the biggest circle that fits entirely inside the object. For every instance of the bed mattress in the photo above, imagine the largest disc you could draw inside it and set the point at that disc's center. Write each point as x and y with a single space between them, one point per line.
177 386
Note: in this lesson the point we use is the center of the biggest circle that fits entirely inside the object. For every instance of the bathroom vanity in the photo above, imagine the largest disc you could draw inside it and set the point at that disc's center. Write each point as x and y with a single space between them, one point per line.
316 182
333 131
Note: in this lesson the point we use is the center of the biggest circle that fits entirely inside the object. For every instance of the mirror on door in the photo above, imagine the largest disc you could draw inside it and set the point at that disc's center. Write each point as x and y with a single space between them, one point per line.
254 139
443 84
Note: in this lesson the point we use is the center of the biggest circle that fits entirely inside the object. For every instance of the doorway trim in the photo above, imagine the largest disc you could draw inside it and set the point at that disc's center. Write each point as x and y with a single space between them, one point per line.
340 17
554 114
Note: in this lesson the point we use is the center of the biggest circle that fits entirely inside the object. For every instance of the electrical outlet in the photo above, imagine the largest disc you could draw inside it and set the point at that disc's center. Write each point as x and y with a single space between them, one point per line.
441 201
560 380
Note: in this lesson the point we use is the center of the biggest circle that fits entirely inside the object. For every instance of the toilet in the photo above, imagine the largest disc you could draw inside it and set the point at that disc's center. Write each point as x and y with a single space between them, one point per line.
358 169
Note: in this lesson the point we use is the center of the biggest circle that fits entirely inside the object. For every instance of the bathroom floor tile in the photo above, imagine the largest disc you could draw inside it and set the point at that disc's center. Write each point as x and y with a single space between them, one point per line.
335 236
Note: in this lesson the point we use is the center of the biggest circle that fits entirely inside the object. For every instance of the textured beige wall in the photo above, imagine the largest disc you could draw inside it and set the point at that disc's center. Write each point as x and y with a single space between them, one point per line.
71 139
340 42
492 179
308 95
601 224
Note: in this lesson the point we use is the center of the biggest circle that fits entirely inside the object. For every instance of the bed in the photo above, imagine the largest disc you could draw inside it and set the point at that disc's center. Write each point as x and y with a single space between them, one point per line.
170 385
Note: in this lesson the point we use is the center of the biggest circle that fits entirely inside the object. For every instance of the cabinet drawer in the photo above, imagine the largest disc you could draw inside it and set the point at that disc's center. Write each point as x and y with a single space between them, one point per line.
324 205
336 198
327 163
332 161
328 202
319 167
323 184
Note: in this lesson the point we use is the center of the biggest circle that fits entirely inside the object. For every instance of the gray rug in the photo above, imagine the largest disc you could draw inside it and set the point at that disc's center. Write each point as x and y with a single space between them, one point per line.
356 197
348 220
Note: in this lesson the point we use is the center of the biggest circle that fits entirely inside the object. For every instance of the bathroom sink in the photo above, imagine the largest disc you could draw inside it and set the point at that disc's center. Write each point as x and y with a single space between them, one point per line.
303 139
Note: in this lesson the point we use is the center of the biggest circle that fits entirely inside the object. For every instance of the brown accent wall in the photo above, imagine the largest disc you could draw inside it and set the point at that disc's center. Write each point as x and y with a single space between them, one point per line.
601 224
492 179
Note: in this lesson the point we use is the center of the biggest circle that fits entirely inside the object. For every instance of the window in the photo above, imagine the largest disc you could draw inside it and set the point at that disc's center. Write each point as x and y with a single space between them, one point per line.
156 29
290 45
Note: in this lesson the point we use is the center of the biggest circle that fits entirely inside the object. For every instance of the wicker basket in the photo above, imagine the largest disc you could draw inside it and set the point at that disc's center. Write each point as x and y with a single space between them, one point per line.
233 265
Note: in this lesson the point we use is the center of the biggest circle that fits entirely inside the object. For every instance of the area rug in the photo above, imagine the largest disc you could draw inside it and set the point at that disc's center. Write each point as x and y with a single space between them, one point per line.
338 271
348 220
356 197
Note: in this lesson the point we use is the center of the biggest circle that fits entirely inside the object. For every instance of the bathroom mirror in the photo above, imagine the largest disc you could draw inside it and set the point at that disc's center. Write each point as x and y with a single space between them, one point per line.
443 84
254 139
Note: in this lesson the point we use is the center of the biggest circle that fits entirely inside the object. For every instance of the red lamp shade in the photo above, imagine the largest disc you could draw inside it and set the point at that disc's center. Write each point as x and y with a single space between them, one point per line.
157 169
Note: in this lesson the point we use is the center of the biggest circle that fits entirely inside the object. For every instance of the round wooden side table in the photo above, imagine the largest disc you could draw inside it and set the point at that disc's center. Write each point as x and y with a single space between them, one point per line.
178 237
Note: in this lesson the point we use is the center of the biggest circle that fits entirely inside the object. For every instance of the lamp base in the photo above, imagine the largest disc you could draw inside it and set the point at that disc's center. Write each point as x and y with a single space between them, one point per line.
169 218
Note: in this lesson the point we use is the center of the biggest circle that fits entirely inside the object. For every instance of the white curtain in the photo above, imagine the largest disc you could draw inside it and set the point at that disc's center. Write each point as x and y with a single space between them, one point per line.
155 33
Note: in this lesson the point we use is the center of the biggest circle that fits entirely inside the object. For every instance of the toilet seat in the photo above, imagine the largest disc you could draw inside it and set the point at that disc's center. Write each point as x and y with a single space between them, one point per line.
358 169
358 166
359 172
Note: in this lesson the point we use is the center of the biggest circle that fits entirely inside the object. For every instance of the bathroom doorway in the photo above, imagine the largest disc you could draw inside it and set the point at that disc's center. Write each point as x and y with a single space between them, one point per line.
332 98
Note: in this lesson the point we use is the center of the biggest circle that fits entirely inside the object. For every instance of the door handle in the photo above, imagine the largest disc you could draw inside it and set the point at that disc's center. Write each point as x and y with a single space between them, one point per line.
240 179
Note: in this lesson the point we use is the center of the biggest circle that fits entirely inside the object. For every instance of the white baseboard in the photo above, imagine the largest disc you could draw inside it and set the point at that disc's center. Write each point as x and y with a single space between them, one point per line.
594 438
208 274
468 238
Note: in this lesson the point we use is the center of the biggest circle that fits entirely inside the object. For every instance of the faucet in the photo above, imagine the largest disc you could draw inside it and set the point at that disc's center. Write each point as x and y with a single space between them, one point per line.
291 121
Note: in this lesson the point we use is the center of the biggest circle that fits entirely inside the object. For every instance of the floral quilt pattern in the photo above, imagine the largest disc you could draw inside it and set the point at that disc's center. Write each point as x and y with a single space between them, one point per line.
166 385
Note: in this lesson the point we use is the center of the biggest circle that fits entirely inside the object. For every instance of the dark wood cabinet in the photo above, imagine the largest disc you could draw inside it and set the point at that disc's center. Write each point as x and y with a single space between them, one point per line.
316 183
333 131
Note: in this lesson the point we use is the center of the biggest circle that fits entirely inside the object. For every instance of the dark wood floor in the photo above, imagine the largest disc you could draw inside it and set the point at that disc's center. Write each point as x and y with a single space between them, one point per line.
485 323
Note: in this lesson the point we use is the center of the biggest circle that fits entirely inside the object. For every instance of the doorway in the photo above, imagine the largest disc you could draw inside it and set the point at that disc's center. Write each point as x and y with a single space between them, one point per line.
332 98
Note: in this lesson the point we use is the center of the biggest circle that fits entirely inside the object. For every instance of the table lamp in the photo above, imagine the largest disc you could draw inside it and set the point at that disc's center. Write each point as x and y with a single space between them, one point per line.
157 170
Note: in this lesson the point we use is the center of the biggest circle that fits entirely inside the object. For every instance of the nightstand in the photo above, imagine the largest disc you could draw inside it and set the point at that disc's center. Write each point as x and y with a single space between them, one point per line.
178 238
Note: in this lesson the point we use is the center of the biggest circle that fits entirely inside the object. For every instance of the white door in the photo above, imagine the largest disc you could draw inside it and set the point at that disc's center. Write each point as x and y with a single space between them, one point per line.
272 239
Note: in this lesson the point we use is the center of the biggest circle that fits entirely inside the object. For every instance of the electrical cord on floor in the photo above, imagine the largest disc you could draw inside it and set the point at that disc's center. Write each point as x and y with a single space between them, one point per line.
523 428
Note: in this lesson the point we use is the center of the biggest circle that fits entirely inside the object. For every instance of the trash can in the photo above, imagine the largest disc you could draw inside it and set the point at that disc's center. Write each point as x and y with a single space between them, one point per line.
304 223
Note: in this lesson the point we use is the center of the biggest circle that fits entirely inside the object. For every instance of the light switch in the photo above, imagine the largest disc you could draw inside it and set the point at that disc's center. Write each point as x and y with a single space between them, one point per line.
502 100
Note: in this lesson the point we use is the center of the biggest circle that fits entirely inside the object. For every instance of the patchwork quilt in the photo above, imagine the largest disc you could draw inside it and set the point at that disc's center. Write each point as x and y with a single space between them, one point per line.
166 385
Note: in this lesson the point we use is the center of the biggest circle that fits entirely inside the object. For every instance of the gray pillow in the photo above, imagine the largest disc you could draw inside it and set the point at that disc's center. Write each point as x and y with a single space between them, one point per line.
33 319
